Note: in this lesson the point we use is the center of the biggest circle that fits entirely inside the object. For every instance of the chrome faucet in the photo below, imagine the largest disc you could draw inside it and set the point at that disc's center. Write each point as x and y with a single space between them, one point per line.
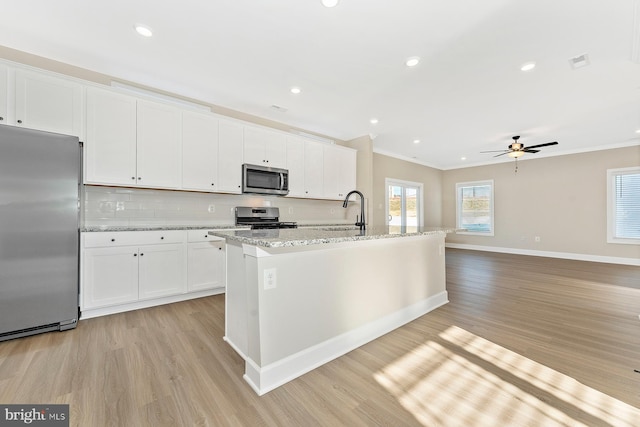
360 223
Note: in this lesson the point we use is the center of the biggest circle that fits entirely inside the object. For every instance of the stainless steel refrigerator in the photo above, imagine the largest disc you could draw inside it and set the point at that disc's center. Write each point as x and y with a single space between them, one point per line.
39 231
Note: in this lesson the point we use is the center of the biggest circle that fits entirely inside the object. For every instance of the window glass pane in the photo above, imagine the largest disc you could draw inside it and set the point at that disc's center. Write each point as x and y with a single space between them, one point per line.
475 207
627 206
395 206
411 204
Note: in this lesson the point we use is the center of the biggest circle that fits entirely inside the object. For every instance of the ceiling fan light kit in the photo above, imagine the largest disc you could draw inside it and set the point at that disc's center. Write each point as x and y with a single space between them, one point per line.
517 149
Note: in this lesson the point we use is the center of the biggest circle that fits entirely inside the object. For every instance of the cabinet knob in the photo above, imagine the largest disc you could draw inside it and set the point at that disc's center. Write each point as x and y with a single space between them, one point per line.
133 177
113 240
1 119
135 254
219 249
139 178
212 183
161 237
19 121
141 254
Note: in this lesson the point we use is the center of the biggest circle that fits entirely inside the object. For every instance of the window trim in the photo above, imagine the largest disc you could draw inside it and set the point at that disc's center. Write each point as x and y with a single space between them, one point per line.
403 183
491 207
611 205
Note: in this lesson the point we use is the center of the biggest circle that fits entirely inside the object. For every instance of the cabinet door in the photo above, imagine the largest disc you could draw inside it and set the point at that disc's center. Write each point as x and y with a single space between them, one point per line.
199 152
264 147
161 271
339 172
230 147
253 146
110 147
205 265
347 162
159 150
313 169
48 103
295 165
110 276
4 99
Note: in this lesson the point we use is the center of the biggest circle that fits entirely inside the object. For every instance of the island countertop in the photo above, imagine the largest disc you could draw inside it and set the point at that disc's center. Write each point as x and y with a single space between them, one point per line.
288 237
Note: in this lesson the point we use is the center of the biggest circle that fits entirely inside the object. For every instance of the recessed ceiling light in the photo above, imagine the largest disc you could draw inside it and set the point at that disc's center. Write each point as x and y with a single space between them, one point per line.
638 131
143 30
463 158
528 66
373 121
330 3
416 141
295 90
412 62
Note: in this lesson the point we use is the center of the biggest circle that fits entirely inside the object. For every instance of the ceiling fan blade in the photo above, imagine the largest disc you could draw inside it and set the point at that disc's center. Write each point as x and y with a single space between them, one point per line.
543 145
498 155
527 150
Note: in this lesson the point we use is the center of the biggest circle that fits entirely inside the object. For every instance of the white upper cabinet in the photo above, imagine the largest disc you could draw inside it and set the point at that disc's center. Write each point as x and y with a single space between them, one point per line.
4 92
230 155
199 152
295 166
110 146
159 148
313 169
47 103
339 171
264 147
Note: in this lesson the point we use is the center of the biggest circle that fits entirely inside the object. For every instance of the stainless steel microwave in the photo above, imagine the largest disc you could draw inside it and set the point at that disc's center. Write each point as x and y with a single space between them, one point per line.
265 180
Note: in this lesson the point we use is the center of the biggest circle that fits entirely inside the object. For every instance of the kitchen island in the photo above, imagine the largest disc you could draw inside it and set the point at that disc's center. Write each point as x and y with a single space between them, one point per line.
298 298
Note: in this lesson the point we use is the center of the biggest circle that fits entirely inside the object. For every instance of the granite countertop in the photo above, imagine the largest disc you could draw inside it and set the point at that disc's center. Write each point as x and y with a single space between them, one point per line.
288 237
98 228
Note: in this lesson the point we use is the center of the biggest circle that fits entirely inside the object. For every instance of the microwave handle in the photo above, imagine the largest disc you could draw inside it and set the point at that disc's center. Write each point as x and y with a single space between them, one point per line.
281 181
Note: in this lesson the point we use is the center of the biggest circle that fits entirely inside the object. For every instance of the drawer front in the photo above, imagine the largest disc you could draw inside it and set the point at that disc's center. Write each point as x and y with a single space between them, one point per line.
129 238
201 236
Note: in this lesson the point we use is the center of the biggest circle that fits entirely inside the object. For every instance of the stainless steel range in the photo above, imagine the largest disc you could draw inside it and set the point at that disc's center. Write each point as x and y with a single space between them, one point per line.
261 218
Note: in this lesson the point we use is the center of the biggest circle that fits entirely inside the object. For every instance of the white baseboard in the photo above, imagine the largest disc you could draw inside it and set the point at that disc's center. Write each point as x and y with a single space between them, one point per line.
266 378
137 305
549 254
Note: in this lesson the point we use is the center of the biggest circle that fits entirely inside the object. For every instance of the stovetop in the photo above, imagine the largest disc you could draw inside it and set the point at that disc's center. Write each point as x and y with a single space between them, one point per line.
261 218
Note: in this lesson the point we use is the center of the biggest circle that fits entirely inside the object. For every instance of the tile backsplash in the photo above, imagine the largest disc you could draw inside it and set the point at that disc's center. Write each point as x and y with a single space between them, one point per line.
135 206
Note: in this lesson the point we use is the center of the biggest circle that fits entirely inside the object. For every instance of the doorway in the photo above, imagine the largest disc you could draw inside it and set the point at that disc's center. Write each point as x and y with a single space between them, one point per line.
404 205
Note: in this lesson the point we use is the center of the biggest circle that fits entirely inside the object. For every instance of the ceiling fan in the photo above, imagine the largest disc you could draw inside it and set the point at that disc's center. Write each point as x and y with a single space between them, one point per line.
517 149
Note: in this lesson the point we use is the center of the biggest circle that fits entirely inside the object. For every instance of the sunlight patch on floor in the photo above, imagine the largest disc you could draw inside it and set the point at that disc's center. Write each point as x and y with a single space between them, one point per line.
469 381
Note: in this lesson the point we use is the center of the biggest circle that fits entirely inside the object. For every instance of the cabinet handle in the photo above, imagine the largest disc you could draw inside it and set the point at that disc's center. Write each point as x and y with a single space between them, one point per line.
1 119
20 121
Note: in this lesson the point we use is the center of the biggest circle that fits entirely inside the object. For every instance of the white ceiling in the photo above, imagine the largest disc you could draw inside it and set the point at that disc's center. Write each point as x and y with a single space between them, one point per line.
467 94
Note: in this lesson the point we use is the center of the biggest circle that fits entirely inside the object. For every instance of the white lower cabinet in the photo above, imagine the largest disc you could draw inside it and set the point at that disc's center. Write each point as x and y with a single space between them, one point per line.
206 261
127 270
110 276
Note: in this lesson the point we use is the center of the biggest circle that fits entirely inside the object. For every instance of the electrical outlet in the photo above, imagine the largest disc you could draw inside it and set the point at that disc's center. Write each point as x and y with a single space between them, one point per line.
269 278
537 239
212 208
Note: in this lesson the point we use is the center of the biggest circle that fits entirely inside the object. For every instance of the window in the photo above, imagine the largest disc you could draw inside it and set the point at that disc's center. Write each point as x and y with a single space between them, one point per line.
404 205
623 205
474 207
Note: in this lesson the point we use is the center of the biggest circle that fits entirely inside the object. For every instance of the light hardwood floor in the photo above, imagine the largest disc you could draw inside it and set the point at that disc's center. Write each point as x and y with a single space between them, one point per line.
524 341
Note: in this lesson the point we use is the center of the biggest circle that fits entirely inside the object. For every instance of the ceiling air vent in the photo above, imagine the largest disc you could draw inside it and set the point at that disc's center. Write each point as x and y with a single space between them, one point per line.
279 108
579 61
